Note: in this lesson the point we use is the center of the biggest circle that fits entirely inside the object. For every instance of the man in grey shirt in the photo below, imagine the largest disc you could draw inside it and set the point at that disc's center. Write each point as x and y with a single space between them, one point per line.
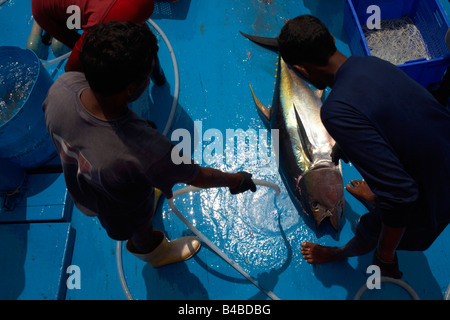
112 159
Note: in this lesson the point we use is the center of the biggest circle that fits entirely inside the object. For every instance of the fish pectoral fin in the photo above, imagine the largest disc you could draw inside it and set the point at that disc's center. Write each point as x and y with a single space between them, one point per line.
267 113
306 144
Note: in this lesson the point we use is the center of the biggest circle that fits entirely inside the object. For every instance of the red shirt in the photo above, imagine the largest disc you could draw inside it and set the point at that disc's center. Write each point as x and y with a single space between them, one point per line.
92 11
52 16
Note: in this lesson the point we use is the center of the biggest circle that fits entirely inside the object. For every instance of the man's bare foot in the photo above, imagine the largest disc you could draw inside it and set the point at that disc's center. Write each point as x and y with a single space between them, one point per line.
361 191
316 253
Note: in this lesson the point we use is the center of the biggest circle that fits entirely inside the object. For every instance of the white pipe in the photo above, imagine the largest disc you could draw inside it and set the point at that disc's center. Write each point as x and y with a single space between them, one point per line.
123 282
60 58
186 190
202 237
177 77
219 252
398 282
175 69
165 131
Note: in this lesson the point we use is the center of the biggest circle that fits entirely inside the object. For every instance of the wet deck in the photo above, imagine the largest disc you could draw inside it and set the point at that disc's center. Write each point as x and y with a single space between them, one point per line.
43 234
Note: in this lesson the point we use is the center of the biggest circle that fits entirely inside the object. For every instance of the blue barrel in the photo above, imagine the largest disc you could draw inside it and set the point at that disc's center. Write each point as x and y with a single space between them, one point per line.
24 83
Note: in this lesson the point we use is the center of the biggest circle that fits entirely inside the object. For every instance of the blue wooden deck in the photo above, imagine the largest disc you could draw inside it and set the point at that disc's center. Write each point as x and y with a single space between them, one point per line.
42 233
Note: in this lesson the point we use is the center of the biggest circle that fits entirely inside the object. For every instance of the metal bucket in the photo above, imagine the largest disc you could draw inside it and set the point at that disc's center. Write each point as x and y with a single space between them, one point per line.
24 83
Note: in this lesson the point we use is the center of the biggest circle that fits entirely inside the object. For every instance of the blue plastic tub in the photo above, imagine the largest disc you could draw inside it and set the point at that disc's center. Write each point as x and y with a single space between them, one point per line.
428 17
24 84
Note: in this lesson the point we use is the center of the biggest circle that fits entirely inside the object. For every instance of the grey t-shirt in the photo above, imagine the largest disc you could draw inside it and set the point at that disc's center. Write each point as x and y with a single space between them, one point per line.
110 167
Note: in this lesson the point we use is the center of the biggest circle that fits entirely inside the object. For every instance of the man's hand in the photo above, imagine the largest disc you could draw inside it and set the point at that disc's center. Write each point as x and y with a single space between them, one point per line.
246 183
337 153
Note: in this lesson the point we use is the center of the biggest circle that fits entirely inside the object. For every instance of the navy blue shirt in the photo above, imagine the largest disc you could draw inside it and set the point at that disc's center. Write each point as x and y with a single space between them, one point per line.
397 136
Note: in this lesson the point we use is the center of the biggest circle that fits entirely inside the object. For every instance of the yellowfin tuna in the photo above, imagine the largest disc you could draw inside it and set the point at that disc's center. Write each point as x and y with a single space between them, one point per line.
305 146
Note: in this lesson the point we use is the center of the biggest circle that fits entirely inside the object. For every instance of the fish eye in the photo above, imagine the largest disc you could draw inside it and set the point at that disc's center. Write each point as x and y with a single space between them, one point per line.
315 205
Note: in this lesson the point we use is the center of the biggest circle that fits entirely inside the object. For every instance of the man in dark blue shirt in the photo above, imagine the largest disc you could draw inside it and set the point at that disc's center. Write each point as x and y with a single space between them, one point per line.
393 131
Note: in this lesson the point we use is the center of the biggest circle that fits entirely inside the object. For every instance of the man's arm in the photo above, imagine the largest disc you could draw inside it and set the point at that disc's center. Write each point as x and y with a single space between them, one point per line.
164 174
213 178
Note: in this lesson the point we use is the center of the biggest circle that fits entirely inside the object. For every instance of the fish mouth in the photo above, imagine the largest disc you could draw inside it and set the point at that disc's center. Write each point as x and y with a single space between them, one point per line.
334 217
321 216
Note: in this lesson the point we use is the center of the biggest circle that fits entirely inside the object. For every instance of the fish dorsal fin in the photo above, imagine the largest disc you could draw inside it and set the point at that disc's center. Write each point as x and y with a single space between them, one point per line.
306 144
270 43
266 112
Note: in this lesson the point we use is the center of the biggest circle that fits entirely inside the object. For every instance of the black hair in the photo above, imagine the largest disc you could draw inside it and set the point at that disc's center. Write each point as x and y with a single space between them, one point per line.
116 54
306 39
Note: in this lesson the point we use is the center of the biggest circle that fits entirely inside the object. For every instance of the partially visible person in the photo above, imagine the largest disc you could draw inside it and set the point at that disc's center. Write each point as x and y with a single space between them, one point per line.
112 159
52 16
